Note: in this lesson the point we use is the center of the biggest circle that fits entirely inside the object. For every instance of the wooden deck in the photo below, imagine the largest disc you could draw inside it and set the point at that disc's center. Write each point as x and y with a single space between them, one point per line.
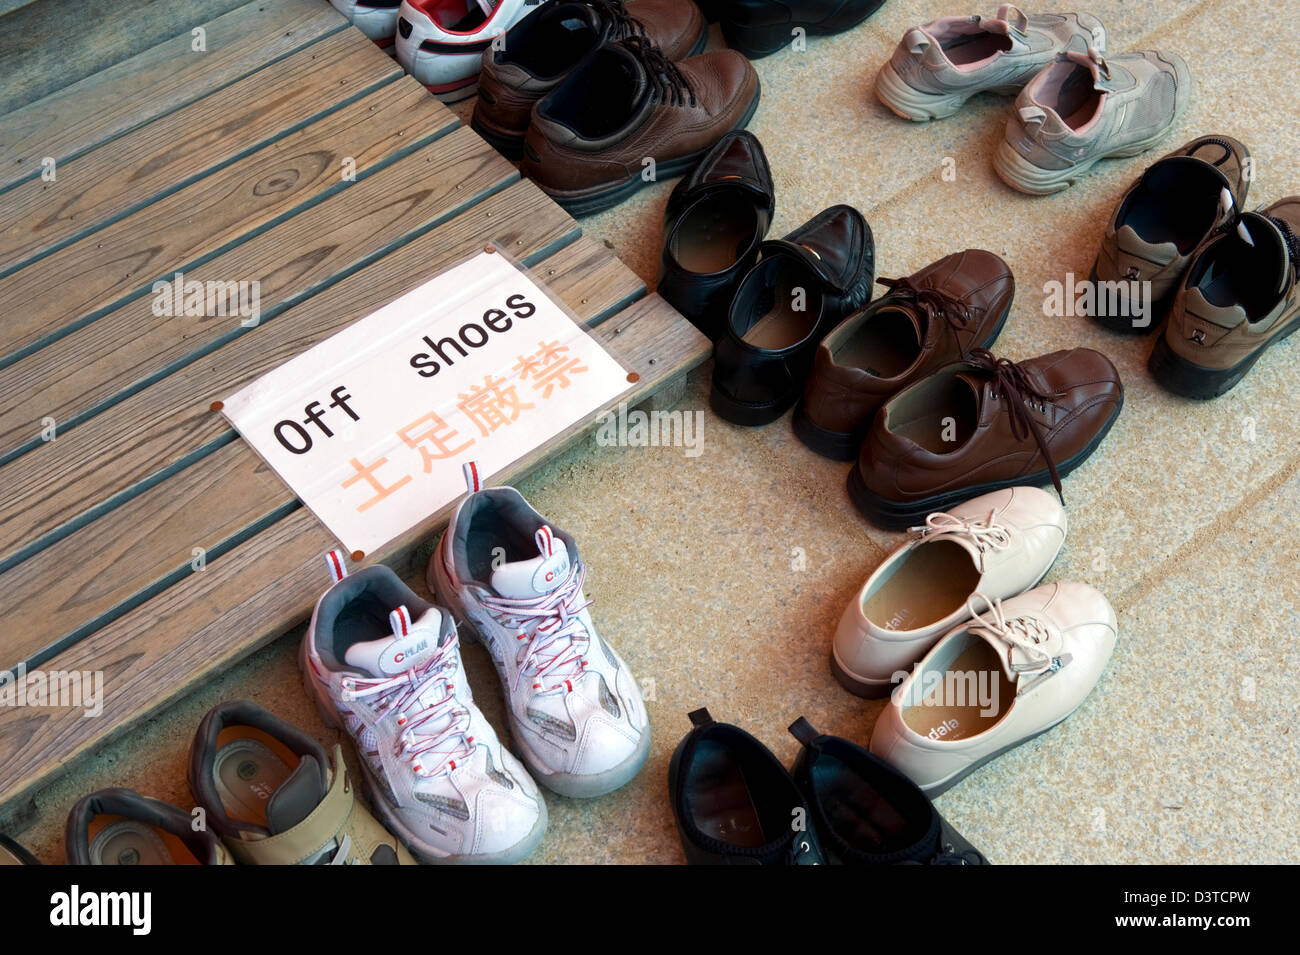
225 165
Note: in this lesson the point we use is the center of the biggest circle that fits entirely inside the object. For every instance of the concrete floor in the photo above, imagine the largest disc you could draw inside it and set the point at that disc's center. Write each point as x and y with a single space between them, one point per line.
1185 752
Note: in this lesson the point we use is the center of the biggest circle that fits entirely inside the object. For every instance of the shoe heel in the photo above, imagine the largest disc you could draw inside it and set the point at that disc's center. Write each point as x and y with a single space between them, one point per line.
757 42
912 104
327 714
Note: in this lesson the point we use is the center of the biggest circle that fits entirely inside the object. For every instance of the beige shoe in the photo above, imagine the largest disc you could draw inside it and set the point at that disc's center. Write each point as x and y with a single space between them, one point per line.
998 681
996 545
271 794
1083 108
937 67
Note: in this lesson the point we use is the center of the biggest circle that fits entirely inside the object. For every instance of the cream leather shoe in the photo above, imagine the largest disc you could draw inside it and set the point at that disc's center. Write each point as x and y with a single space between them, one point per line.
996 546
996 682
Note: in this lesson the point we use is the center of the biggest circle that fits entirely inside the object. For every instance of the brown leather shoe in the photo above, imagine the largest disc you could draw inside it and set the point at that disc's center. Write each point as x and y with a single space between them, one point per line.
981 425
927 320
590 137
544 47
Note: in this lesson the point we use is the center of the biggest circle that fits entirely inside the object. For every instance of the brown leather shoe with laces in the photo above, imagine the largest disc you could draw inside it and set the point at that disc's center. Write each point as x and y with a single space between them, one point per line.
592 137
981 425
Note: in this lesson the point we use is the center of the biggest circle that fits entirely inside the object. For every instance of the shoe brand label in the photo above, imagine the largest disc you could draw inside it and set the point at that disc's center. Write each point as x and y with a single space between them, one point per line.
943 729
897 621
400 656
550 572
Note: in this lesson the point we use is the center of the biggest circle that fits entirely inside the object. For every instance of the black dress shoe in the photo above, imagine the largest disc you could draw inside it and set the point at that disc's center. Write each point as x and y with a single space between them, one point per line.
868 813
801 288
734 802
759 27
717 216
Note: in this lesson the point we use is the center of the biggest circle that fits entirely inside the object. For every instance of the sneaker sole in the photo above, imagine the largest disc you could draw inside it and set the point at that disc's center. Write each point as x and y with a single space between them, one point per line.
896 515
563 784
1022 175
844 446
429 855
919 106
1182 377
603 197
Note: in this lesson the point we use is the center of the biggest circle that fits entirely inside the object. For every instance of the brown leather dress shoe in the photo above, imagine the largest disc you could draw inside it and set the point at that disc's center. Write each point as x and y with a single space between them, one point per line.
544 47
981 425
927 320
627 116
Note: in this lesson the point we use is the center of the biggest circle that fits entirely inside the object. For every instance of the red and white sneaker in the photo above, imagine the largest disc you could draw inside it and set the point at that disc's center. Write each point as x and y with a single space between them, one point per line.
576 714
385 666
441 42
377 19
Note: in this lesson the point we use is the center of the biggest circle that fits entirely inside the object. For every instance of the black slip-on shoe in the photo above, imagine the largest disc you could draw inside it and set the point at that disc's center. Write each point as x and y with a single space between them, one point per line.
735 804
717 216
11 853
801 288
868 813
758 28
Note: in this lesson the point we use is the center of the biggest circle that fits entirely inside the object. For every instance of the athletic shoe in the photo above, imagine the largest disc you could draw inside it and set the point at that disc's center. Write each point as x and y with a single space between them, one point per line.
1083 108
576 714
377 19
998 544
1173 207
121 827
936 68
441 42
1029 663
273 796
385 666
734 803
1239 298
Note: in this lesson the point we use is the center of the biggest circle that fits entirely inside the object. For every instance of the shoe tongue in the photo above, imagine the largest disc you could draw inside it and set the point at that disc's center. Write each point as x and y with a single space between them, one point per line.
297 796
537 576
914 319
409 646
976 384
1009 654
635 71
1091 62
1158 253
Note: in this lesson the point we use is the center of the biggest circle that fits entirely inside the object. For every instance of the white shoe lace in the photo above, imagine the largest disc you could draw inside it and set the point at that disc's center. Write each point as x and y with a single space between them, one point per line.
428 752
556 651
986 534
1024 632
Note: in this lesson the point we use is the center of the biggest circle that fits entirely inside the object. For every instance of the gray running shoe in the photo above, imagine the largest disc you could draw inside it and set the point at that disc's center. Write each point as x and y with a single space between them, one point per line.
1083 108
937 67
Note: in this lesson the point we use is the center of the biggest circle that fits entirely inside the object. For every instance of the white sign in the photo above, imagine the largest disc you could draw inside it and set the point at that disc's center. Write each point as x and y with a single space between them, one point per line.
370 427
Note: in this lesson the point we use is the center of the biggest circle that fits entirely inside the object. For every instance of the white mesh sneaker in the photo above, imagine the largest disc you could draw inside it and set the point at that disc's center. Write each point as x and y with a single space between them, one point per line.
385 666
377 19
576 712
441 42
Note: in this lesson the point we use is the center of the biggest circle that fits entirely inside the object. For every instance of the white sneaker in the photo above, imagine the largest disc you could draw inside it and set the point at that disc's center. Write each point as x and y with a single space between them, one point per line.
1029 663
441 42
576 713
385 666
998 544
376 21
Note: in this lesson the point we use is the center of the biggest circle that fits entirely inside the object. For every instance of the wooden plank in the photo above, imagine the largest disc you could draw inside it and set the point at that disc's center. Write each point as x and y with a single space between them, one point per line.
62 593
163 78
109 359
113 456
84 280
175 150
49 46
262 588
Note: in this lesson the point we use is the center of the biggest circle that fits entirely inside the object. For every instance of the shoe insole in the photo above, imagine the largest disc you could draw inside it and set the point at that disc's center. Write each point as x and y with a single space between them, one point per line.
884 346
787 316
951 398
933 581
714 234
719 798
1077 100
1241 274
115 840
973 696
859 813
249 766
968 48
